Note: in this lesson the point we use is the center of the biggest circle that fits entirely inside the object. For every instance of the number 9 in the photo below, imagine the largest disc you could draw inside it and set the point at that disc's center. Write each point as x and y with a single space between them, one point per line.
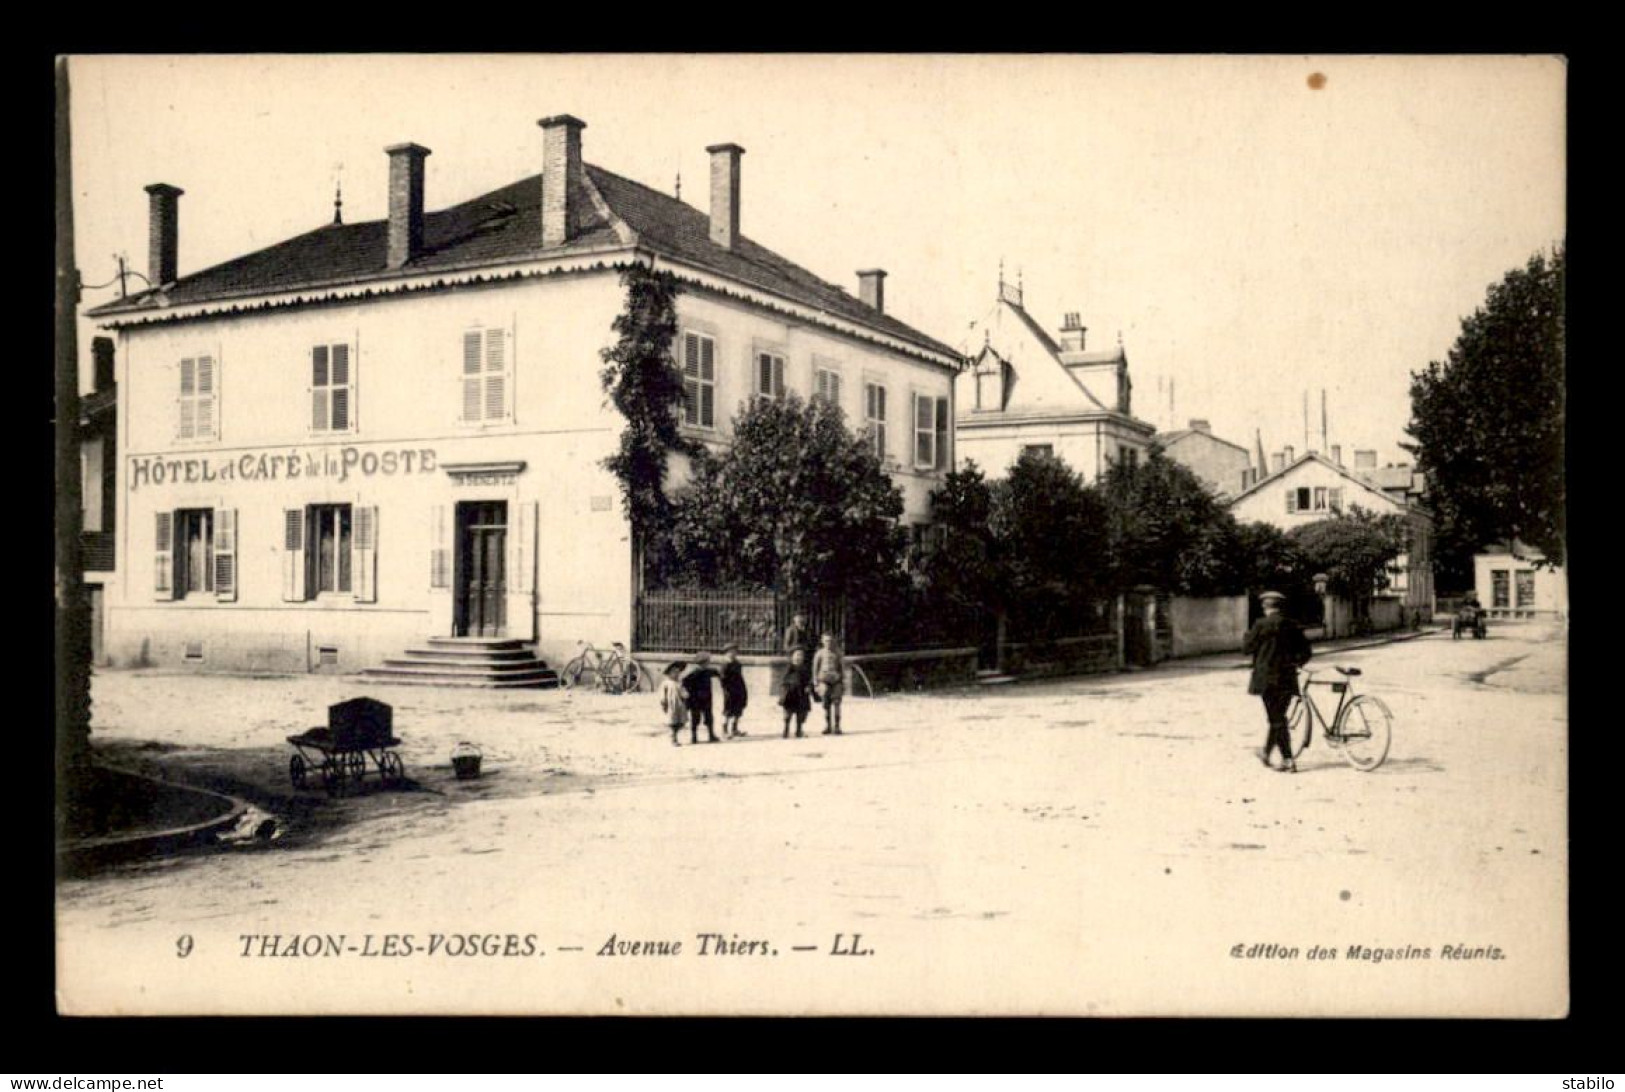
183 946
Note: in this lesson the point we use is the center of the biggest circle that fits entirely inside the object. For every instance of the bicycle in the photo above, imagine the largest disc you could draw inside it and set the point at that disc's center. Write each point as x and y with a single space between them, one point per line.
1361 727
614 672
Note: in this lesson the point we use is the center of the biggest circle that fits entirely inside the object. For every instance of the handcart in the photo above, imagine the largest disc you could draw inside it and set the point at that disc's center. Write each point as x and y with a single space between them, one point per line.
359 734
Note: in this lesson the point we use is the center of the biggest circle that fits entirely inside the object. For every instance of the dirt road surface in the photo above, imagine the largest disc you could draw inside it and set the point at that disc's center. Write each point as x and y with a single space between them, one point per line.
1102 845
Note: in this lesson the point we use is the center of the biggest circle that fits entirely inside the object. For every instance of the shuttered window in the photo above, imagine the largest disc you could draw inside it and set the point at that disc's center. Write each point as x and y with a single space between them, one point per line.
925 433
198 400
225 554
332 388
944 436
827 386
699 380
487 379
769 372
874 416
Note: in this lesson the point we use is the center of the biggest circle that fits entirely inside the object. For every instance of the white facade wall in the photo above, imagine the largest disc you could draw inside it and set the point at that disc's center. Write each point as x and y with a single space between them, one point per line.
568 559
1550 586
1089 446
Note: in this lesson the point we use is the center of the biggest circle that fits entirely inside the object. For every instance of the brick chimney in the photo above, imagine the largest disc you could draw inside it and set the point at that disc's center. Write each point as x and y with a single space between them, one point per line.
1337 454
561 170
1278 461
1199 424
405 202
1072 333
872 288
725 193
163 233
1288 453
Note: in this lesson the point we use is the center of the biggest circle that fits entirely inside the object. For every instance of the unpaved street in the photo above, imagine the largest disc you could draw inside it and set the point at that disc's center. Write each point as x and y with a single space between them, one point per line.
1096 845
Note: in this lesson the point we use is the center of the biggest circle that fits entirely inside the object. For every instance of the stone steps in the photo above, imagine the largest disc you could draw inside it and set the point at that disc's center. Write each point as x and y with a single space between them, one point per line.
480 662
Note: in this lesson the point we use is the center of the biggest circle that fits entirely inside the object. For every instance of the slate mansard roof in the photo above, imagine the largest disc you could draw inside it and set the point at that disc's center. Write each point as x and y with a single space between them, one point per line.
505 226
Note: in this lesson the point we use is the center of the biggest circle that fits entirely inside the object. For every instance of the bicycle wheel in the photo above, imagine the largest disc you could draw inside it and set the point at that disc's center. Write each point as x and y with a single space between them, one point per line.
1298 727
570 674
635 677
1366 729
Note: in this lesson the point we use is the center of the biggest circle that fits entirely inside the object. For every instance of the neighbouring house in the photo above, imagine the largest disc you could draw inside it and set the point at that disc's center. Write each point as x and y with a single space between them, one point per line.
1511 583
1026 391
1309 487
376 434
98 464
1227 468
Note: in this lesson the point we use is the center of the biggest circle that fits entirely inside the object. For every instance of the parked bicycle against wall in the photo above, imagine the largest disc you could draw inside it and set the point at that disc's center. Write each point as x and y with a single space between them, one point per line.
1361 727
614 672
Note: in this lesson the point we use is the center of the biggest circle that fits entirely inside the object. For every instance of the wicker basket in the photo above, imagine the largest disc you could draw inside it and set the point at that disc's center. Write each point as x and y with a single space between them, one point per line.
465 761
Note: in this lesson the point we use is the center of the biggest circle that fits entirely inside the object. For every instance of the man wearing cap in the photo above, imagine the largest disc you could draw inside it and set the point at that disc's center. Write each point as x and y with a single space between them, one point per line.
1278 647
697 694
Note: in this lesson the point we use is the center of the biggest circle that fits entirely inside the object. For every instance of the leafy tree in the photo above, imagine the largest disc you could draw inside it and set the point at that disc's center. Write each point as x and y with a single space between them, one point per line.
1488 420
642 380
1354 549
798 503
1267 558
1053 543
1168 528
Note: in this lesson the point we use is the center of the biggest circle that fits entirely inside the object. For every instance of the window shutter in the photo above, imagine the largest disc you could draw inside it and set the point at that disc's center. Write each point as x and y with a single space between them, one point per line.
924 456
471 375
440 550
205 396
497 386
188 404
364 554
1291 500
880 418
293 554
163 569
1337 498
341 388
942 434
319 377
524 550
225 554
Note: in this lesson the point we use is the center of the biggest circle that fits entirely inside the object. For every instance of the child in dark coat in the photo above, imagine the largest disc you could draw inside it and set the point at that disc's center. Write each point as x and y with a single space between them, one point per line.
796 693
697 693
734 693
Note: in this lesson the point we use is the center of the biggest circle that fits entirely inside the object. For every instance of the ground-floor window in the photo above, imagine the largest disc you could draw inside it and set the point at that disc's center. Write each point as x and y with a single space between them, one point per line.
195 552
1500 586
331 543
1526 588
330 549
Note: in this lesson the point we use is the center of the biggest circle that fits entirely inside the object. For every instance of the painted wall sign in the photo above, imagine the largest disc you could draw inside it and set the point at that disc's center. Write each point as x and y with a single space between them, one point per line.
484 479
281 464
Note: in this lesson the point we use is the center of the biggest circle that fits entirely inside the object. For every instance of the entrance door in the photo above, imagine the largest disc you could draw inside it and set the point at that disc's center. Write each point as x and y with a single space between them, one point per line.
479 605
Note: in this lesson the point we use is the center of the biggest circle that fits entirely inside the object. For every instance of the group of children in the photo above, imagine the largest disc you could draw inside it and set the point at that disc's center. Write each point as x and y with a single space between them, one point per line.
685 693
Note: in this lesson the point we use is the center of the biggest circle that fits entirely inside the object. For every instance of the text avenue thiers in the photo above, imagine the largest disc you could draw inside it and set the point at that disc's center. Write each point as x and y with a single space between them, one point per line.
518 945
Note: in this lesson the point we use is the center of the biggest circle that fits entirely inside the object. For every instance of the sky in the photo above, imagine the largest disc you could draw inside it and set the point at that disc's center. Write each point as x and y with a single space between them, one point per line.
1253 228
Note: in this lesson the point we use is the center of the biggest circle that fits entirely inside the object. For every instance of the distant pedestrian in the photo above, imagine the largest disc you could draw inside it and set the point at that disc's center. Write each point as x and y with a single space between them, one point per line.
1278 648
697 693
829 681
795 694
798 636
734 692
671 700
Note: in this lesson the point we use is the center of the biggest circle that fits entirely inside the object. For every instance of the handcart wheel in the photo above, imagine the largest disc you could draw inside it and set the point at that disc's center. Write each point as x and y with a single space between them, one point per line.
394 769
358 766
332 777
297 769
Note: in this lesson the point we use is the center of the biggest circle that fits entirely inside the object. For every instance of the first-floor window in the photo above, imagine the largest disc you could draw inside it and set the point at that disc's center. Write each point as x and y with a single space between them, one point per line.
699 380
827 386
1042 451
330 542
1320 498
874 417
1500 588
931 428
769 377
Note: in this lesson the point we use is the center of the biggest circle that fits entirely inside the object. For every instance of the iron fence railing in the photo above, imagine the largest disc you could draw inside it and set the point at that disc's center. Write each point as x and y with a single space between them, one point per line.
685 620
